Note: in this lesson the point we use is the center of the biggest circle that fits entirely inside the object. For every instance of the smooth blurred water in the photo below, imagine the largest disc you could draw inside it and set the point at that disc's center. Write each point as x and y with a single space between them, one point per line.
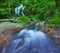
31 41
19 10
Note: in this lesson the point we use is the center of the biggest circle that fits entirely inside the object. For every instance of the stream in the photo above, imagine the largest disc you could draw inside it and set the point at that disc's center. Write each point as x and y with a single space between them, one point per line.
31 41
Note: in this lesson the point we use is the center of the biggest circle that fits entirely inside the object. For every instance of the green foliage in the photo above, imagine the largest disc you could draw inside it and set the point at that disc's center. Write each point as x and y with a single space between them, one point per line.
55 20
48 10
2 11
23 19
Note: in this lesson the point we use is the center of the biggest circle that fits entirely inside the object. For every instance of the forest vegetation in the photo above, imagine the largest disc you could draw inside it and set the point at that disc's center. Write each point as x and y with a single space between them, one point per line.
39 10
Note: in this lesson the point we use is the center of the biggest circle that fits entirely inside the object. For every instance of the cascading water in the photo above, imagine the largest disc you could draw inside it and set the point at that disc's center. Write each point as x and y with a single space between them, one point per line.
31 41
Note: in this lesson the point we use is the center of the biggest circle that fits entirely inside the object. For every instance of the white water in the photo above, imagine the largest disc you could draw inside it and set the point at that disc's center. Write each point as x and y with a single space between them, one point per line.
34 42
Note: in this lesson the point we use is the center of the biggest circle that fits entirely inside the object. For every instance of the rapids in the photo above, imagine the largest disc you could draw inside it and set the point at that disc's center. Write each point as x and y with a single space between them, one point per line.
31 41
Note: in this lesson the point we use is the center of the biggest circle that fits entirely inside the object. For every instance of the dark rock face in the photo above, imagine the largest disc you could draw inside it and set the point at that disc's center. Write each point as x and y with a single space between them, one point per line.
31 41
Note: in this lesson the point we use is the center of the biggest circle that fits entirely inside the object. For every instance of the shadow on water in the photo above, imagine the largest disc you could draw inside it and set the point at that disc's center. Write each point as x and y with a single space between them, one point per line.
31 41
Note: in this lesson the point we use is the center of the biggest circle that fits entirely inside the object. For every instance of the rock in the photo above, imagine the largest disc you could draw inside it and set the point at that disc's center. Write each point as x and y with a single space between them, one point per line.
7 30
9 25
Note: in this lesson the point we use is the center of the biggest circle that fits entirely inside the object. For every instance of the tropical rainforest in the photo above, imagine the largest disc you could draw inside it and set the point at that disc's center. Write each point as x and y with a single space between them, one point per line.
38 10
24 20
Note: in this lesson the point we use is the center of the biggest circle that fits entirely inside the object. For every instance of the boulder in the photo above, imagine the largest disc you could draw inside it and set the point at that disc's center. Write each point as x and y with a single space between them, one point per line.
8 30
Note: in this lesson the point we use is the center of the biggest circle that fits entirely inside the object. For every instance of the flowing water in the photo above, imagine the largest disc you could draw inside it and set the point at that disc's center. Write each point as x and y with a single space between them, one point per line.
31 41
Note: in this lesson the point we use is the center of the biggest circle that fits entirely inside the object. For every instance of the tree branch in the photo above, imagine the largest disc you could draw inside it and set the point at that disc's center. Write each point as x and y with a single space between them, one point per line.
7 20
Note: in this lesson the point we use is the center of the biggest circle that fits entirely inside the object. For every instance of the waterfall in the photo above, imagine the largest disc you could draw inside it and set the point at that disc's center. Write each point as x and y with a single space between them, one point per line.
31 41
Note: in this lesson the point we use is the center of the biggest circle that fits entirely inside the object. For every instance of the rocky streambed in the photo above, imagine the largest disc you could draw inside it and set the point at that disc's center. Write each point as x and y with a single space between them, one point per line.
14 39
